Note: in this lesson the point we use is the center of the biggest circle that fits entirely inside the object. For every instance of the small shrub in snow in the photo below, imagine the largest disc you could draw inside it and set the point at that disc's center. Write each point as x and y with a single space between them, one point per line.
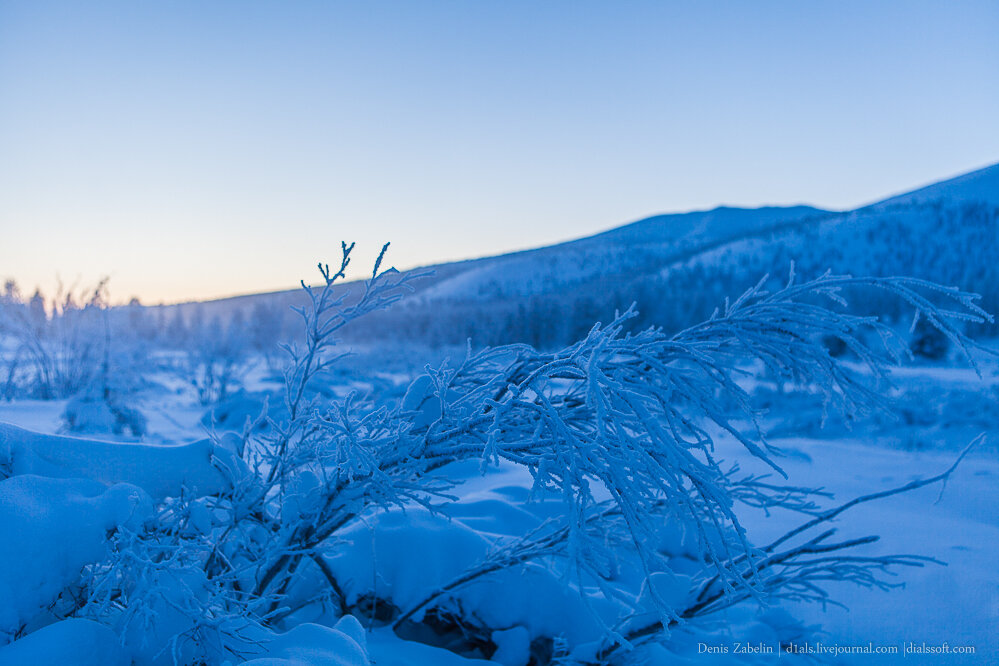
216 357
95 411
57 353
66 346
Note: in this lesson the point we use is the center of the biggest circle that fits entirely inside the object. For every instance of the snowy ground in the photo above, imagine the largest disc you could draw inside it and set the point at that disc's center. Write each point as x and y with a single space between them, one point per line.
957 604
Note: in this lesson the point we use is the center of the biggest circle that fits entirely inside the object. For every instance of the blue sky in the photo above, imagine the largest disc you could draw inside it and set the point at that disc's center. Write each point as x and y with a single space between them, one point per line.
192 149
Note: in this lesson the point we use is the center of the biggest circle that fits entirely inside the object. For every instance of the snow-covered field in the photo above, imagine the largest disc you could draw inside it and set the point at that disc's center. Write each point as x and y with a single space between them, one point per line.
956 604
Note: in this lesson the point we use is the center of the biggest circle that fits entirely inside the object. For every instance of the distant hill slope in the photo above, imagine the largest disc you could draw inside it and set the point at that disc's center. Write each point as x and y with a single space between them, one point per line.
644 245
703 227
634 249
976 186
678 267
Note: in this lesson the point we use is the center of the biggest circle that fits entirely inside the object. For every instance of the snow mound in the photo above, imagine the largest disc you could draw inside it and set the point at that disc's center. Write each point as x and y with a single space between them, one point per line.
380 560
316 645
53 528
77 642
201 467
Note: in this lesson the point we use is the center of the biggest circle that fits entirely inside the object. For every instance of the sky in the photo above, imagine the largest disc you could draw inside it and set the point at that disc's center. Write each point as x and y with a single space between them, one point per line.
191 150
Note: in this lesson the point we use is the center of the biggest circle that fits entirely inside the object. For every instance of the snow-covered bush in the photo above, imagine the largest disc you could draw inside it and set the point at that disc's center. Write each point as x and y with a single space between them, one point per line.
216 356
628 524
59 352
77 344
97 410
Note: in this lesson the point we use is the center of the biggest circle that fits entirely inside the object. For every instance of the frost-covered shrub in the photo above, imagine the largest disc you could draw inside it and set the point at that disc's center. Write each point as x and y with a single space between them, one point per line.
96 411
216 355
233 413
66 349
624 516
62 347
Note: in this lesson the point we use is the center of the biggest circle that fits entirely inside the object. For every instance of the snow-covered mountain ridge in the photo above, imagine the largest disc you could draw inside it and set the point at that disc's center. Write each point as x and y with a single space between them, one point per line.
678 267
